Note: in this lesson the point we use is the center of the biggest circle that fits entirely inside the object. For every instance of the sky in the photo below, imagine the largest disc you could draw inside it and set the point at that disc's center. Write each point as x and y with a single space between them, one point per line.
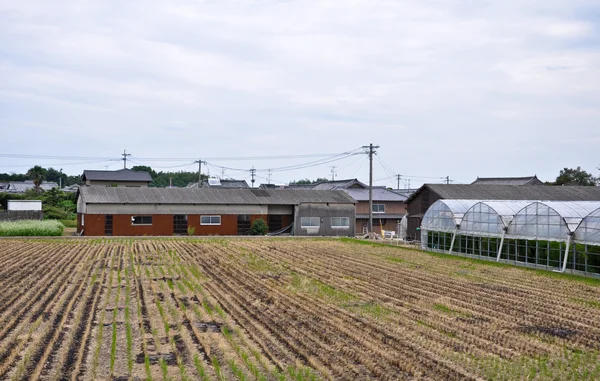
457 88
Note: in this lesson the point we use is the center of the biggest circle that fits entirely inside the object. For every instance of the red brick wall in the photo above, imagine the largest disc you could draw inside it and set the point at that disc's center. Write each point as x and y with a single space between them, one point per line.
162 224
93 224
228 225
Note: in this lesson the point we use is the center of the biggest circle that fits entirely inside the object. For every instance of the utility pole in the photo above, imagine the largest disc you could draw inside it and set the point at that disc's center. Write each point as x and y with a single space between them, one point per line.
125 154
269 177
398 177
199 172
447 179
333 173
371 151
253 173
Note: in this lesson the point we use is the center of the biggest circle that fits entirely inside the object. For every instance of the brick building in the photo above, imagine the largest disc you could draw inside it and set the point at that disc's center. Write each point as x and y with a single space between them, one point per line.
207 211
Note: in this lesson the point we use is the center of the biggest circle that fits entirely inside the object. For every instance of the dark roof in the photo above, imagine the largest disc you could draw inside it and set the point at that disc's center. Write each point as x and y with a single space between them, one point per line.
379 194
120 175
122 195
511 192
528 180
339 184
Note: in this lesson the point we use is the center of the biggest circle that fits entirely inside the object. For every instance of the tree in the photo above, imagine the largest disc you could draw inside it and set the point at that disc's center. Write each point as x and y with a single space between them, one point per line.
37 174
307 181
144 168
259 227
569 176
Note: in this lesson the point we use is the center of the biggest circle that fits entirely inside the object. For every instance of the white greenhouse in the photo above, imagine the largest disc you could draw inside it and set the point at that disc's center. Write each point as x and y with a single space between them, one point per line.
557 235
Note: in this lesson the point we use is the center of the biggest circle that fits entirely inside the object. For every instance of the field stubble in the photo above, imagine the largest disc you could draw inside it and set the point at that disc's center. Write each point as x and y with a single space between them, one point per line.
283 309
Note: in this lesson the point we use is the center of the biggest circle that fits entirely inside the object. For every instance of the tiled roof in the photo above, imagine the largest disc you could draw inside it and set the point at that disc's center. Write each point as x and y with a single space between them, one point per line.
121 195
528 180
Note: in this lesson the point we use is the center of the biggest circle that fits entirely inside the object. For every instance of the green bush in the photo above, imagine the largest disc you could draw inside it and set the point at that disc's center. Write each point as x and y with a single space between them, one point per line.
69 223
259 227
54 213
31 228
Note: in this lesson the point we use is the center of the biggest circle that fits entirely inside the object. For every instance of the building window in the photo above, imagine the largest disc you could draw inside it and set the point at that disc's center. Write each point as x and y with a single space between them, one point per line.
340 222
378 208
141 220
309 222
210 220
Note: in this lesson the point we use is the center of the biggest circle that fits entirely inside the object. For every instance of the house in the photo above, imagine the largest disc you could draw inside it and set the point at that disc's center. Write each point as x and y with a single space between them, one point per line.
24 186
422 199
212 211
215 182
529 180
121 178
388 206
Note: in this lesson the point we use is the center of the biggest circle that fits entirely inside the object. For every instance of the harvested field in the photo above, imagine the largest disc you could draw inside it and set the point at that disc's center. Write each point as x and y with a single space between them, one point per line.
277 309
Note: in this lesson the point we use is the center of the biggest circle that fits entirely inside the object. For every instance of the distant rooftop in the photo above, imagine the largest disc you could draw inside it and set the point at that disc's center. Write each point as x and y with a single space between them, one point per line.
221 183
120 175
528 180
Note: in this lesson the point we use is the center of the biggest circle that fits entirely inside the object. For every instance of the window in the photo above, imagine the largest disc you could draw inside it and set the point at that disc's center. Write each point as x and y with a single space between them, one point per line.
141 220
378 208
210 220
340 222
308 222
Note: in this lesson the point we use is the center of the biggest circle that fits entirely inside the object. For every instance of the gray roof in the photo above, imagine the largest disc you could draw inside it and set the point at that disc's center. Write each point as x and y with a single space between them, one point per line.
528 180
117 195
120 175
512 192
379 194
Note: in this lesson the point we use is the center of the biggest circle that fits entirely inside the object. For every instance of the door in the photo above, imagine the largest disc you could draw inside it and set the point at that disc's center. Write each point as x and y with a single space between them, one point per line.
275 223
243 224
180 224
108 224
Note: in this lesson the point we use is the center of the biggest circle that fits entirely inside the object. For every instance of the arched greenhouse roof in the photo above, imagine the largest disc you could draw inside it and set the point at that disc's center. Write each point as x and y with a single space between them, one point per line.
550 220
588 231
490 217
445 215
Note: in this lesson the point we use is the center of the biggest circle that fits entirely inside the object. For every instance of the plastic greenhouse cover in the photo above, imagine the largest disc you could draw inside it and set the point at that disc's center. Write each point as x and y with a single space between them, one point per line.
446 214
573 212
588 231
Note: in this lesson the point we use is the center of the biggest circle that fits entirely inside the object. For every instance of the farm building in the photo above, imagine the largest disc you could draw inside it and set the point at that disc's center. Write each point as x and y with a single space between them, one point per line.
208 211
550 234
120 178
420 201
388 206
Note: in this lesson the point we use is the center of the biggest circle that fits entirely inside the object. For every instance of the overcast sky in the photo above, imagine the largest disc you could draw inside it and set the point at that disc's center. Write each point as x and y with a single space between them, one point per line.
459 88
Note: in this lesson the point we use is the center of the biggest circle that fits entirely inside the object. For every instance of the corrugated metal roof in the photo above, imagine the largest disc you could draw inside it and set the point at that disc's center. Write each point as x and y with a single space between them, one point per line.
512 192
120 195
120 175
379 194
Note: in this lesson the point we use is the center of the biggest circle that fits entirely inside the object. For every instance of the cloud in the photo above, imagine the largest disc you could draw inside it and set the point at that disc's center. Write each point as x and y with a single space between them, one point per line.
434 83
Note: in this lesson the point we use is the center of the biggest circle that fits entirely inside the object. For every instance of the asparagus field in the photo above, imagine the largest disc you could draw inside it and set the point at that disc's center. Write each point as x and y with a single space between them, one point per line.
284 309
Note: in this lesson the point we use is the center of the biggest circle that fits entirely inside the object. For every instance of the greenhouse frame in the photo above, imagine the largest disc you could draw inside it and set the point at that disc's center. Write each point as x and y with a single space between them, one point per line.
555 235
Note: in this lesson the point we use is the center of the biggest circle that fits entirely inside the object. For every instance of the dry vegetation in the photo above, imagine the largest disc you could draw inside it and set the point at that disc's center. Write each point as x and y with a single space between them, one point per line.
284 309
